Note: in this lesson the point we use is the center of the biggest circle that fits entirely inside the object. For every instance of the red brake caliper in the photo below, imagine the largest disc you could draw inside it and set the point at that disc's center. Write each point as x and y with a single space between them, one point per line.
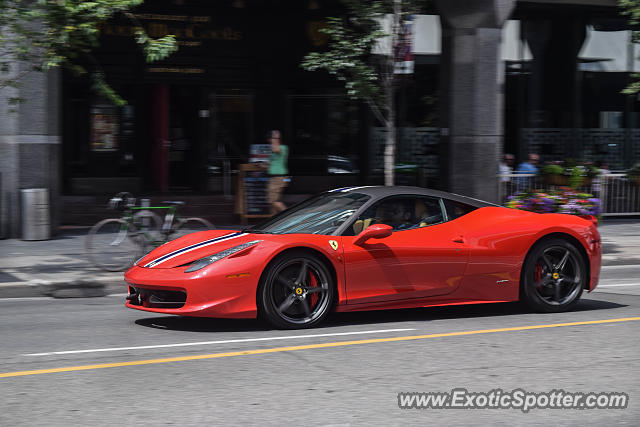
537 273
313 283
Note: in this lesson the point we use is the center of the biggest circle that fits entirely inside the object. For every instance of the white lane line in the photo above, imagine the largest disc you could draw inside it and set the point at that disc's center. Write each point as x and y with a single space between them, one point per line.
618 267
26 299
187 344
617 285
15 299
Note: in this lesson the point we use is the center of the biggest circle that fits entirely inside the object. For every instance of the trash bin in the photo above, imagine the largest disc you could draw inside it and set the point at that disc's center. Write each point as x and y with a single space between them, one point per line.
35 214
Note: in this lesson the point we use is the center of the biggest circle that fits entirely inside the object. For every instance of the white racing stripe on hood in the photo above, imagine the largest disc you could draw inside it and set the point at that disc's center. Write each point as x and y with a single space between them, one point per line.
193 247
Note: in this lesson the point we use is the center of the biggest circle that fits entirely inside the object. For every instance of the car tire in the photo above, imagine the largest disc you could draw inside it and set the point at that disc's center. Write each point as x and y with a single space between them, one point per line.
296 291
553 276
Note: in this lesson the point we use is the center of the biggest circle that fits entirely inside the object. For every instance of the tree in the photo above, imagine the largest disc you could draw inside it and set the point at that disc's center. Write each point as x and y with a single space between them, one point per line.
367 76
631 8
63 33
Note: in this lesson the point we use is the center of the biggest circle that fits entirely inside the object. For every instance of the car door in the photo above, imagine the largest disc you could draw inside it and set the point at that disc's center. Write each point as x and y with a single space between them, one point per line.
424 256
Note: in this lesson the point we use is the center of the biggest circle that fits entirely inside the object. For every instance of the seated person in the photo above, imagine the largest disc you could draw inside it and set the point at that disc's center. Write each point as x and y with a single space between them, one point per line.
392 212
427 213
396 214
421 213
401 213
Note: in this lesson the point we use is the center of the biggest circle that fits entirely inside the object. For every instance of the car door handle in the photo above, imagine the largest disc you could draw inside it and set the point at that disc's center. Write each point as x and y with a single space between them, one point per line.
458 239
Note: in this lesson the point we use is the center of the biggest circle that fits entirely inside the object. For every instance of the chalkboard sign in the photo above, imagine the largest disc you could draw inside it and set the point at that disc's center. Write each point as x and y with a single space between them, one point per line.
255 192
251 197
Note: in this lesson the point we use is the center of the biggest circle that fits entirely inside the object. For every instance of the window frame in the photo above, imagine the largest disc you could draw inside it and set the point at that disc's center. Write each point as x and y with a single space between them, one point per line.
466 205
349 224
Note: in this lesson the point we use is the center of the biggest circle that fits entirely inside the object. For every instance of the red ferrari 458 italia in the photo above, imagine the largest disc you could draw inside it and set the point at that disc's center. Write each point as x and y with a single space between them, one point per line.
365 248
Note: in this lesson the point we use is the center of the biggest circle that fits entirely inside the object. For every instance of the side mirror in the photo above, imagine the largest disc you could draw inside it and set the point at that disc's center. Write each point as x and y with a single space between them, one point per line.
376 231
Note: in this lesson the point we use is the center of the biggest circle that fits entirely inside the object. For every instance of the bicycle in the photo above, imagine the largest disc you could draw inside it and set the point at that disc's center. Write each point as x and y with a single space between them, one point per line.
113 244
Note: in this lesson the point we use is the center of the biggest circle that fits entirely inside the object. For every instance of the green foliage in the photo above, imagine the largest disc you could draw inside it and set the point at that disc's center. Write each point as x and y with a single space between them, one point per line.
351 40
575 179
63 33
633 87
631 8
100 86
156 49
349 56
348 62
552 169
571 168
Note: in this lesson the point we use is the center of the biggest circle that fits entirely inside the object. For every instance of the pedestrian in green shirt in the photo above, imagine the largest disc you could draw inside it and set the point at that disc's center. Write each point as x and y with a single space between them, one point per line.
277 171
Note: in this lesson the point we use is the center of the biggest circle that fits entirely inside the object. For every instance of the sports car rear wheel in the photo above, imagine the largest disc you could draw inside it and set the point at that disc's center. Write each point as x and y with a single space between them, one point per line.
296 291
554 275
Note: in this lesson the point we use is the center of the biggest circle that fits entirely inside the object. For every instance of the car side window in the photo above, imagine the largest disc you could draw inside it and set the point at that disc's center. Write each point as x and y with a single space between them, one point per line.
401 213
457 209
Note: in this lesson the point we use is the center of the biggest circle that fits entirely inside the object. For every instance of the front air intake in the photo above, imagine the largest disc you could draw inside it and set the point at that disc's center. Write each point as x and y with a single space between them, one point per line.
156 298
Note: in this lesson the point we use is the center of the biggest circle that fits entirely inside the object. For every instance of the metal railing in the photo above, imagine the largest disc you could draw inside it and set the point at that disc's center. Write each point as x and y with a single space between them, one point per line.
618 194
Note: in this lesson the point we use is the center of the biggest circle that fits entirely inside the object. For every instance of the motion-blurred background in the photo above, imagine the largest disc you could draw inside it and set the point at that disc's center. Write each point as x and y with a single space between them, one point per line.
470 82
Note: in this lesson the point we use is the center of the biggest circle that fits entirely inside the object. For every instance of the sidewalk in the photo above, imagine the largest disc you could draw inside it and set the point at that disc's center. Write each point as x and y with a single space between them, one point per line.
57 267
60 267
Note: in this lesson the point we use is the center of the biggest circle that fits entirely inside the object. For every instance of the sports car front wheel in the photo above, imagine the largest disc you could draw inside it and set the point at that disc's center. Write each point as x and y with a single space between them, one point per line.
554 275
296 291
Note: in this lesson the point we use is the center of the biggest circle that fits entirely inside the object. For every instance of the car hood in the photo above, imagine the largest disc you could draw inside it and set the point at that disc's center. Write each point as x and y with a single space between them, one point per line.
194 246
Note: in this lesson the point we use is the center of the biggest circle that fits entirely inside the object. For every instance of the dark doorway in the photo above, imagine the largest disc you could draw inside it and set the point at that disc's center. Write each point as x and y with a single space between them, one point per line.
183 138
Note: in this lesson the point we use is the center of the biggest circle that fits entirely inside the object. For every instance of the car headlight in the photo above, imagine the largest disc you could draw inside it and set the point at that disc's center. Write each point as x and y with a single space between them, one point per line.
203 262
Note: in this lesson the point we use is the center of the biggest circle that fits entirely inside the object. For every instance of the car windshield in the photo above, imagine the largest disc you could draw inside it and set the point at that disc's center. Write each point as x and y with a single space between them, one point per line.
322 214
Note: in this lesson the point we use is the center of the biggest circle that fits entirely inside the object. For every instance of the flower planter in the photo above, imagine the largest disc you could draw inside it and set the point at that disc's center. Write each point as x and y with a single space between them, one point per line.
560 180
564 200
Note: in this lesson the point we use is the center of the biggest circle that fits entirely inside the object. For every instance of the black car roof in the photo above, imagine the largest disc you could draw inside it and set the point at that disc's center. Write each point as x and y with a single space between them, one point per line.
380 191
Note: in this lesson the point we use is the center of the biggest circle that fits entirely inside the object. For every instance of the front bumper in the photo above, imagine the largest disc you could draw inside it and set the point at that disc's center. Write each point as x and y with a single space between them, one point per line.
204 293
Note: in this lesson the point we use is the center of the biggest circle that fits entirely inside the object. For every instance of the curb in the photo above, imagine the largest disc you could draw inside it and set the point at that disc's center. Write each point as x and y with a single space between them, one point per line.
79 288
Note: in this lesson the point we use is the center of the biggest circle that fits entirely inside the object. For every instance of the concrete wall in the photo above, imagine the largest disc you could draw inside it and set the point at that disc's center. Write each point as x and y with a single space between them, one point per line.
30 145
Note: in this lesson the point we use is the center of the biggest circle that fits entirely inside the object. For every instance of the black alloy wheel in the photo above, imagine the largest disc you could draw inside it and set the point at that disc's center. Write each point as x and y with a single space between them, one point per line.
296 291
554 276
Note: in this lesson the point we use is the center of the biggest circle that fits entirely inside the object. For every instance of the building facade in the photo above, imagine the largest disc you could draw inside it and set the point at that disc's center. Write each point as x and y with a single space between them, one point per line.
489 77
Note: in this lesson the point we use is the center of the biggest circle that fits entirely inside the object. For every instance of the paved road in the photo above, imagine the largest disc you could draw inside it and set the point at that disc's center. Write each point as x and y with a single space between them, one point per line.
243 380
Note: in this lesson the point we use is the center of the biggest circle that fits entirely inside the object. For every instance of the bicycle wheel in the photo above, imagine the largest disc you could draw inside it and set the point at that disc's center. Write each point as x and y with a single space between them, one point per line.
112 244
148 222
188 226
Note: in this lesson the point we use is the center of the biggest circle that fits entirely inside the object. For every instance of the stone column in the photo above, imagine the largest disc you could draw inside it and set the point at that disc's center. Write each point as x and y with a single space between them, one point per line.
471 95
29 145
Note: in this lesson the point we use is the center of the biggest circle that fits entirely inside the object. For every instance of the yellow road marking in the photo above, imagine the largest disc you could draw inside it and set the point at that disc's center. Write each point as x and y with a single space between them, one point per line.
306 347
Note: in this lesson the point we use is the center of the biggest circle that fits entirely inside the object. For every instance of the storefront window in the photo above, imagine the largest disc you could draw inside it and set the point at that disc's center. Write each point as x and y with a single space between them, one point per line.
104 128
323 132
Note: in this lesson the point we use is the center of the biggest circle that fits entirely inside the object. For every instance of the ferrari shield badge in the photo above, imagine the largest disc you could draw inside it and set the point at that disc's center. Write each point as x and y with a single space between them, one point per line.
333 244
